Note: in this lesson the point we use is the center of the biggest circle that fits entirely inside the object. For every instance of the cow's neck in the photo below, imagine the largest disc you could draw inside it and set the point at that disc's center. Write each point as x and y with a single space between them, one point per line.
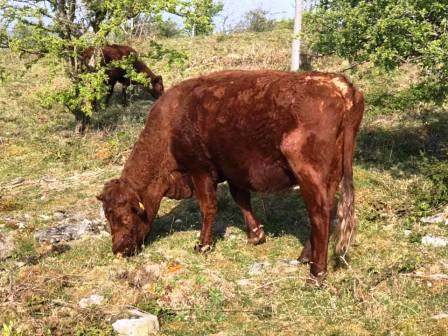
150 161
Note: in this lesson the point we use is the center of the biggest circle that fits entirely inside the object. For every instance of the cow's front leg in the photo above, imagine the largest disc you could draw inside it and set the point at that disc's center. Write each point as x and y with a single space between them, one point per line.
255 233
305 256
205 191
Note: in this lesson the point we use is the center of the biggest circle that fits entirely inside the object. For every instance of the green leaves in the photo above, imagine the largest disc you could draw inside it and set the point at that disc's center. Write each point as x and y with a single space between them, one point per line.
198 15
174 57
62 29
387 33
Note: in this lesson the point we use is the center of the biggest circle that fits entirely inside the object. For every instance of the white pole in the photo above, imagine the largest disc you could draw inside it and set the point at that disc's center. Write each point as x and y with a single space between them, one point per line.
295 59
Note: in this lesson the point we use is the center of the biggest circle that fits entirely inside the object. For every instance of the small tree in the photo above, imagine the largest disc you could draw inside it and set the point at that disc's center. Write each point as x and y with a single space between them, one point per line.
167 28
62 29
387 33
284 24
256 20
150 26
198 16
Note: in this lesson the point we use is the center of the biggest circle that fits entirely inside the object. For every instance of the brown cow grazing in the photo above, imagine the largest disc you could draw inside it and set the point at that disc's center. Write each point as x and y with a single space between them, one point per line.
261 131
116 52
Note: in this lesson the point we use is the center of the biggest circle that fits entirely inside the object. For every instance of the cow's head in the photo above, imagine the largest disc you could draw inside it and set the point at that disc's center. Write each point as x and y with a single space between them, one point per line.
157 87
126 215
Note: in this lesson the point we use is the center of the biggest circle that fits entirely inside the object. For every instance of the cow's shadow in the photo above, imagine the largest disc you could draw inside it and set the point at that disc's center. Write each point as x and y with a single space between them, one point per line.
138 105
113 116
281 214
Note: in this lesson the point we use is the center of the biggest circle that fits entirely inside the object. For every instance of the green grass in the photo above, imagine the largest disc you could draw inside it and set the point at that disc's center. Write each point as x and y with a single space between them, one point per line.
400 167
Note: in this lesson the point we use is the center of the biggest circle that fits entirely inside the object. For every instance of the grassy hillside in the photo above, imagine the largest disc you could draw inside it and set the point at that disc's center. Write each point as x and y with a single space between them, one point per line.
393 284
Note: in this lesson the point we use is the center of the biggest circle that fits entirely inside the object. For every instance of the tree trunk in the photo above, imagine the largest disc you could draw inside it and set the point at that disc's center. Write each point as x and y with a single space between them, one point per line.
295 59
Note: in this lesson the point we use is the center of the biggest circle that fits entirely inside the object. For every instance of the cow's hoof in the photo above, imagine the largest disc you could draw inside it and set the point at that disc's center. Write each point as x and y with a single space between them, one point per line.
200 248
318 281
303 259
305 256
258 237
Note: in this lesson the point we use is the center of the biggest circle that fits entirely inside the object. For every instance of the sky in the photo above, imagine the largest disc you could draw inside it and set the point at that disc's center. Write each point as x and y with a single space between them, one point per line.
235 10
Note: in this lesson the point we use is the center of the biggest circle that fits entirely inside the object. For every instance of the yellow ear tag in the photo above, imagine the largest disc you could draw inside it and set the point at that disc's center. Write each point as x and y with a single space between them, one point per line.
140 204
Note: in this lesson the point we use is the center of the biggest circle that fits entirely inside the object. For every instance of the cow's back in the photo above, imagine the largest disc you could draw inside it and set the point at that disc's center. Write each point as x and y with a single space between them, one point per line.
234 122
108 54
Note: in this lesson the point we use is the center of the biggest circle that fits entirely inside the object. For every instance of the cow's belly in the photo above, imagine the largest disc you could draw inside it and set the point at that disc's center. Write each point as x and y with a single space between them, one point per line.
257 173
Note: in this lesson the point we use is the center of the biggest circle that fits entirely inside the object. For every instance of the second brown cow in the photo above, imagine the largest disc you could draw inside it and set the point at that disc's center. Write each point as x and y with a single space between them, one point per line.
117 52
261 131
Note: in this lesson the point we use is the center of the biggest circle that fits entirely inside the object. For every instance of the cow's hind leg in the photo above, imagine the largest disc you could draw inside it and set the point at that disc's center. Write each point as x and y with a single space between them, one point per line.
255 233
110 92
318 173
124 94
205 191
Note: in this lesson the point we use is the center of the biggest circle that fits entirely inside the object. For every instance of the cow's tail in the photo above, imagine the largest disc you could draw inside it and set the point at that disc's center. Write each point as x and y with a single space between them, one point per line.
346 228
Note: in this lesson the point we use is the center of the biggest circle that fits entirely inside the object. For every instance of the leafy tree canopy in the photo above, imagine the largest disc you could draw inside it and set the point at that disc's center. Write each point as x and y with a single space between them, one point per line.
385 32
62 29
198 16
256 20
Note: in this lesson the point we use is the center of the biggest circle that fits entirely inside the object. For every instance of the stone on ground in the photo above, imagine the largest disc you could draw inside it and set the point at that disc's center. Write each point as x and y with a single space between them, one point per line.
434 241
92 300
145 325
6 245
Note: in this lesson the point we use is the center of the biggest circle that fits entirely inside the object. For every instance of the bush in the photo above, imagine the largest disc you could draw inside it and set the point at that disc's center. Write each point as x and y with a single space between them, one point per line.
256 20
437 173
435 194
284 24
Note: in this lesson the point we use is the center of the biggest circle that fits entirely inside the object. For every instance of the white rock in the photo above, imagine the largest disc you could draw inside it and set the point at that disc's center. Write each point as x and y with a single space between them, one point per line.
20 264
434 241
286 262
440 316
92 300
139 313
438 218
295 263
145 325
257 268
178 221
6 246
407 232
243 282
58 215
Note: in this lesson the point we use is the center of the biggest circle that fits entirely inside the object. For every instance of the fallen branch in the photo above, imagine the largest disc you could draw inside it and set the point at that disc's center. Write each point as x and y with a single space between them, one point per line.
354 66
200 309
434 277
